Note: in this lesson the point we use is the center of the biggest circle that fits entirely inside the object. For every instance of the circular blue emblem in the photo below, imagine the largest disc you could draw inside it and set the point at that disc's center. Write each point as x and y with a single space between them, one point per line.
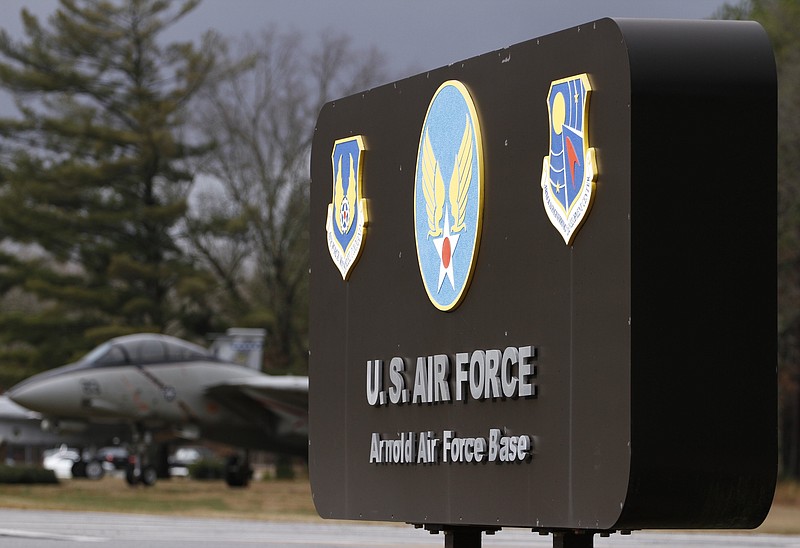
448 195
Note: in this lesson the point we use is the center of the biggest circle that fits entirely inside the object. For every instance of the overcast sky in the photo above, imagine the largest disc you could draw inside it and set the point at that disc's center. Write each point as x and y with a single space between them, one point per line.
414 35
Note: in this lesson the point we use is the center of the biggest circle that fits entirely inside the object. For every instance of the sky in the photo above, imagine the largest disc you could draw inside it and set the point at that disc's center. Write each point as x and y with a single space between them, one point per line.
414 35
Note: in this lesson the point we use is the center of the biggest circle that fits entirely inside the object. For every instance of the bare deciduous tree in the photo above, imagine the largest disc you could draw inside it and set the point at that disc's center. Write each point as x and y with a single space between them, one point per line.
251 225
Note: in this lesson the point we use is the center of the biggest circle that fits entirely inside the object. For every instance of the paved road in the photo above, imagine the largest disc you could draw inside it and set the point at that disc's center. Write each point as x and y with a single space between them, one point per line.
42 529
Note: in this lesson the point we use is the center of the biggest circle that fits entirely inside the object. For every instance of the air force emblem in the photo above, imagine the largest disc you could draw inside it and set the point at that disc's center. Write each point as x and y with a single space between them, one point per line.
569 171
447 217
347 215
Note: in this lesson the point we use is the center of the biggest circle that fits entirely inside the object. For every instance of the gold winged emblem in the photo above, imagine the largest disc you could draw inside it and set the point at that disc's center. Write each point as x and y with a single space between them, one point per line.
346 222
342 203
433 184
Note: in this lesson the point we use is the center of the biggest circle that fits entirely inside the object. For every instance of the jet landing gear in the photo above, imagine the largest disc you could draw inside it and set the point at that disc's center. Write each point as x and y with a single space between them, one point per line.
136 474
139 469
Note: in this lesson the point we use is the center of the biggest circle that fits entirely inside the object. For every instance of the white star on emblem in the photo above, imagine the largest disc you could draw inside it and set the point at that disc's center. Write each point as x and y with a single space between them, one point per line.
446 246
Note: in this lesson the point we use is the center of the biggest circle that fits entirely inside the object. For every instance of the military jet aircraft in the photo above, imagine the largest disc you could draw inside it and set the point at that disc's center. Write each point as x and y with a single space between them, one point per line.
166 389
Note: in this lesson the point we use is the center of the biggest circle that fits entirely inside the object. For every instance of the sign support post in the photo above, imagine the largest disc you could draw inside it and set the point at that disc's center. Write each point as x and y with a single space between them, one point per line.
573 540
471 537
462 537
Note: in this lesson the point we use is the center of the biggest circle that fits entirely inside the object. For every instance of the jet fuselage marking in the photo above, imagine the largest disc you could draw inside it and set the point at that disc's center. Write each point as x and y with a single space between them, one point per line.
168 392
90 387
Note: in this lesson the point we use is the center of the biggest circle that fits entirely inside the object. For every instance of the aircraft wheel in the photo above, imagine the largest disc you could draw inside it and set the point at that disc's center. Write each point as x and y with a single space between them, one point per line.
237 480
237 473
79 469
131 477
149 476
94 470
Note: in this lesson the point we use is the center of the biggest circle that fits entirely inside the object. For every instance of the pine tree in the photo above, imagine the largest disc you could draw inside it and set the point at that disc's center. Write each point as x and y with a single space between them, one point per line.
94 178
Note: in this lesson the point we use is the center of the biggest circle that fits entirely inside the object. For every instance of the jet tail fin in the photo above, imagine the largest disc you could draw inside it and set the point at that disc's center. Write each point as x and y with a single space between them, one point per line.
241 345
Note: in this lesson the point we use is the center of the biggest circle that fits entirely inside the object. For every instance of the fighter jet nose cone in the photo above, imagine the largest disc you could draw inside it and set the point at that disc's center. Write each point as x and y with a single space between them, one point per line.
43 392
25 395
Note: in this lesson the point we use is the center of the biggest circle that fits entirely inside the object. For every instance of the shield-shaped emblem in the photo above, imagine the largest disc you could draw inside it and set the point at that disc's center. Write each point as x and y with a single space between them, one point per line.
448 195
570 170
347 213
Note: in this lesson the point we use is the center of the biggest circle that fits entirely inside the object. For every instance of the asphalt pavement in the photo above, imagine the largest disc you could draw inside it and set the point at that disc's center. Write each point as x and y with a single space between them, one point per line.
51 529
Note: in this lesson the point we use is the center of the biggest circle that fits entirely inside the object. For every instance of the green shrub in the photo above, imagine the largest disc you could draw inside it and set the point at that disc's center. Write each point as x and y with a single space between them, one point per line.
207 469
26 474
284 470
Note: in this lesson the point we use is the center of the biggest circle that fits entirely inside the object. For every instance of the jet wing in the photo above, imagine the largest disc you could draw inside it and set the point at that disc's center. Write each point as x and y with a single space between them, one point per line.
284 396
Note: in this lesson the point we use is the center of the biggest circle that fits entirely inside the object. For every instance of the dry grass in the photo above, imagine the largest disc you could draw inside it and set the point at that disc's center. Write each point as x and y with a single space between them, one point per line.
263 500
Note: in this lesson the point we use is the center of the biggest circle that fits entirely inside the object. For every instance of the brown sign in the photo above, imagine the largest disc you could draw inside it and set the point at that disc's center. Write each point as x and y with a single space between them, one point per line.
543 286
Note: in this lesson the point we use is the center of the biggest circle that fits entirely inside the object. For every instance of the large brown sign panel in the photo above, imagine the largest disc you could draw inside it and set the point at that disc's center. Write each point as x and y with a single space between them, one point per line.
543 285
